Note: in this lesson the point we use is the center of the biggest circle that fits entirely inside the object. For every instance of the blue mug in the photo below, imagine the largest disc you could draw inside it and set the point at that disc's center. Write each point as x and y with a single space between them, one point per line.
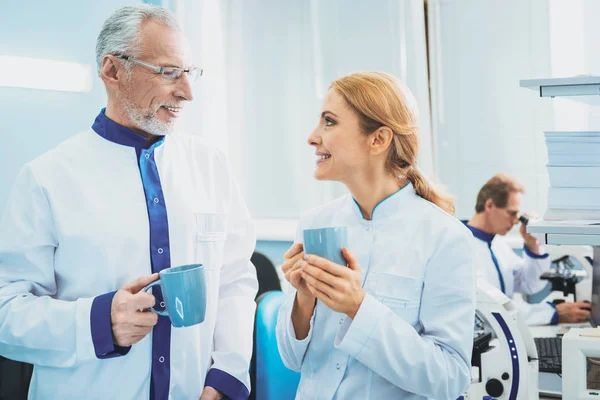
327 243
184 293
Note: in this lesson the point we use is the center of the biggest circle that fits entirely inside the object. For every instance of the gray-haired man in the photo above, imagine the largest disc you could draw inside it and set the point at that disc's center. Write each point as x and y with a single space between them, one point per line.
88 222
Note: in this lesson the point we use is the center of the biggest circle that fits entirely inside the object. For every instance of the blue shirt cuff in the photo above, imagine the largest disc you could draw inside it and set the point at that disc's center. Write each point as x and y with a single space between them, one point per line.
534 255
555 319
101 328
232 388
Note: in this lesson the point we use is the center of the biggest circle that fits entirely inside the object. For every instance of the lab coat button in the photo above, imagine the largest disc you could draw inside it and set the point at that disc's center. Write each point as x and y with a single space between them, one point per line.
147 156
160 250
341 321
162 304
156 200
161 359
338 366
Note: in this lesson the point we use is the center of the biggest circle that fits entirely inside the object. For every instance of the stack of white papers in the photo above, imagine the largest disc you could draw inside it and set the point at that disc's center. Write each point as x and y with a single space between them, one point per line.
574 171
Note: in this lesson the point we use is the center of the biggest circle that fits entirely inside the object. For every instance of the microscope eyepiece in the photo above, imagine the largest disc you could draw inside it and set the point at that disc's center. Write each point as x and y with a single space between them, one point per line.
523 219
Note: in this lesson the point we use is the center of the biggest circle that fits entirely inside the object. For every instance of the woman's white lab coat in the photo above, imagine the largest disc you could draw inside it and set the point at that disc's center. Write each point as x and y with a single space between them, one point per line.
413 334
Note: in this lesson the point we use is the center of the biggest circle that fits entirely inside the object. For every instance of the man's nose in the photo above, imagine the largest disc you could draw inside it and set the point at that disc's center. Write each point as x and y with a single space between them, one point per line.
184 87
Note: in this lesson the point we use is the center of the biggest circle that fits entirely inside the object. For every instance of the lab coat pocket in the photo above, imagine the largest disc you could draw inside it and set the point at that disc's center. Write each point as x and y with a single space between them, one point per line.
211 233
402 294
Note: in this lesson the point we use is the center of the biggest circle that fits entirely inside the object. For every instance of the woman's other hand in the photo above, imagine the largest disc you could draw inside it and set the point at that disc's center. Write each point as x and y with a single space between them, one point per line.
337 286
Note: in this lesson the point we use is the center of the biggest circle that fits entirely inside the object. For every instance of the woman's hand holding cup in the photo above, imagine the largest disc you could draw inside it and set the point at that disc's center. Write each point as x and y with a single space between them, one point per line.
292 261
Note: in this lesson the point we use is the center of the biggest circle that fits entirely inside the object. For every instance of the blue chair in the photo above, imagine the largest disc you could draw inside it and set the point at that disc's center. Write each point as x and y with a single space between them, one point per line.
273 380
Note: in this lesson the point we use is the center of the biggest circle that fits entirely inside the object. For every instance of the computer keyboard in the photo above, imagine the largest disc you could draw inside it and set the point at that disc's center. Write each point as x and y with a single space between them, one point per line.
549 354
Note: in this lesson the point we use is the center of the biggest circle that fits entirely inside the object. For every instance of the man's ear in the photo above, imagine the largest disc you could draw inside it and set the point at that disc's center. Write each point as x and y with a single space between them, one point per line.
380 140
111 71
489 203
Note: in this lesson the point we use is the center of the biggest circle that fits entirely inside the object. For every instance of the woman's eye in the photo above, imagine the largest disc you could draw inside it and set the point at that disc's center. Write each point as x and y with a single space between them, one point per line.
329 122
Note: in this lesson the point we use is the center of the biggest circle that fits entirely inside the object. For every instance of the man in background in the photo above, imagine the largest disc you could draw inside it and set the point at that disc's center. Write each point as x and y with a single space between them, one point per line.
497 210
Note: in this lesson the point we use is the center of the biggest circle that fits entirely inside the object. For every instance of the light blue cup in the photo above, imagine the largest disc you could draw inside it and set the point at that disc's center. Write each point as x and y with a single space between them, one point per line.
327 243
184 293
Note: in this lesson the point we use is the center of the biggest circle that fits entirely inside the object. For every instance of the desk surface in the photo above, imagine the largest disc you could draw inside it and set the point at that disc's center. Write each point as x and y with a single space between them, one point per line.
547 330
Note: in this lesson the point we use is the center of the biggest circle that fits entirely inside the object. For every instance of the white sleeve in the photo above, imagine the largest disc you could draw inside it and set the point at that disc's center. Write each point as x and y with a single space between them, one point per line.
435 360
536 314
37 328
528 270
291 349
235 314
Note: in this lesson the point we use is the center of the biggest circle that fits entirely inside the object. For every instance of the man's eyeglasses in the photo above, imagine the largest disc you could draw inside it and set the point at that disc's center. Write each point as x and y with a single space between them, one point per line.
168 73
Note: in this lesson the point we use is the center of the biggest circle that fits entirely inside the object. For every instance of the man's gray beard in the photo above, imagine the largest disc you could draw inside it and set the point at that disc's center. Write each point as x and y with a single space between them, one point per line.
149 122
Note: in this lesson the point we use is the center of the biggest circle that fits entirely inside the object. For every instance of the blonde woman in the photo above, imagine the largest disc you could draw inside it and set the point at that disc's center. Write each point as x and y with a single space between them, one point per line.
397 322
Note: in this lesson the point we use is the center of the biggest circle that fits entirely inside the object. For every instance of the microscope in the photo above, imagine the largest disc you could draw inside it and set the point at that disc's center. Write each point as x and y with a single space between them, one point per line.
504 359
562 274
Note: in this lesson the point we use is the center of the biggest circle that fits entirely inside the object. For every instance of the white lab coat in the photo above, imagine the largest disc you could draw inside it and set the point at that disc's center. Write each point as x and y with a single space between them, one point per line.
520 275
413 334
76 226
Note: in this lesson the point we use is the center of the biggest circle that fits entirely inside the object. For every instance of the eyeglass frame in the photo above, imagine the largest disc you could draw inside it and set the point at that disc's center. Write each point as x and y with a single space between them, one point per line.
161 70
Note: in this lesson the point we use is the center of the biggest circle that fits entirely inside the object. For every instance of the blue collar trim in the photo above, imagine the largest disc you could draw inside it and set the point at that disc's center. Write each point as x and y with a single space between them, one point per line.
388 205
479 234
110 130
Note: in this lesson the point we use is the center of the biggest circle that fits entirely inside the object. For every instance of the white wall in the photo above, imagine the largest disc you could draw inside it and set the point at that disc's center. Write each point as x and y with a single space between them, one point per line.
574 36
281 57
484 123
33 121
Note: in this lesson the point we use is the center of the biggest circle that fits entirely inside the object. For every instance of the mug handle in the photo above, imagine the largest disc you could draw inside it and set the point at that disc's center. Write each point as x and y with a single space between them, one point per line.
163 313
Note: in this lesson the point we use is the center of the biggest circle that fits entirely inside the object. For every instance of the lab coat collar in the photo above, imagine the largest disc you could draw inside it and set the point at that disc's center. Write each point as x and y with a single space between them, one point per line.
390 204
479 234
110 130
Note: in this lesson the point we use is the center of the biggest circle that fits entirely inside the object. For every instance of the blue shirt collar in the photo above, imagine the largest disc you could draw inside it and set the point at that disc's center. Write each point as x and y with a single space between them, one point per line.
390 204
479 234
110 130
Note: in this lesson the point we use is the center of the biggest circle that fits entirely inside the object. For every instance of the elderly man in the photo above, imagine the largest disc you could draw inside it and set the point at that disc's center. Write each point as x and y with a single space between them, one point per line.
496 212
91 222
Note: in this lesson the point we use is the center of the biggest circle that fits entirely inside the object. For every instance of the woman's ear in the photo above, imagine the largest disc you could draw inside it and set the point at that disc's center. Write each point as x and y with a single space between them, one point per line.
381 140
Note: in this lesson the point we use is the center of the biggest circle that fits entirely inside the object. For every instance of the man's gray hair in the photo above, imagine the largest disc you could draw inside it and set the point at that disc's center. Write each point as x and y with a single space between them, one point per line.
120 32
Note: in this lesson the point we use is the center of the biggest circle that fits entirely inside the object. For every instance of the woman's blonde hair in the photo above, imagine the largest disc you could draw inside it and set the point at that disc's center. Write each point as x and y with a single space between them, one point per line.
380 99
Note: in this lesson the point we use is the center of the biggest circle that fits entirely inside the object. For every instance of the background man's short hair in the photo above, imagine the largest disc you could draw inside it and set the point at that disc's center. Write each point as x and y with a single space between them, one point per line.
498 189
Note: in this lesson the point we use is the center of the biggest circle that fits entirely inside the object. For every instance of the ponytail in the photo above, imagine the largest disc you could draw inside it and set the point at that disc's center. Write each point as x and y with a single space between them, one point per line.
428 191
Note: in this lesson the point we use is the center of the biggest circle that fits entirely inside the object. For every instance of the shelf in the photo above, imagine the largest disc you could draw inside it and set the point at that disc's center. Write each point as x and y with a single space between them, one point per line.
567 232
585 85
584 88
